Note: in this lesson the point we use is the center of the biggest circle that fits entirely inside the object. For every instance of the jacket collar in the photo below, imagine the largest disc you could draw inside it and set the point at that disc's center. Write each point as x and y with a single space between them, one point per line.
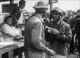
39 16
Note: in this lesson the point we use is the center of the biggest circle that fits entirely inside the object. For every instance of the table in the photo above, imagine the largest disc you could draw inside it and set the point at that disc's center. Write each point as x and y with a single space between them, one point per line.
14 50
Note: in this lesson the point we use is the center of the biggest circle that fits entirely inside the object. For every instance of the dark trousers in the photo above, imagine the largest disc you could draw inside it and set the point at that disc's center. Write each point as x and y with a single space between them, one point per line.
72 44
79 45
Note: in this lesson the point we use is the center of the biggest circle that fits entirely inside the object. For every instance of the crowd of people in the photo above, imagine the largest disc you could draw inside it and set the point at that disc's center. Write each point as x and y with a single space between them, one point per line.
52 35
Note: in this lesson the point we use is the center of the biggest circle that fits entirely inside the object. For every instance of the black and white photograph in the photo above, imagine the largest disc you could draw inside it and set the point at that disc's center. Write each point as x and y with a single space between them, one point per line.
39 29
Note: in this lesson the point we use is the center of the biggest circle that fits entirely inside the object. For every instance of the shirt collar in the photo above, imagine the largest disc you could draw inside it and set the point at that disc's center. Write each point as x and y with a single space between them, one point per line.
40 17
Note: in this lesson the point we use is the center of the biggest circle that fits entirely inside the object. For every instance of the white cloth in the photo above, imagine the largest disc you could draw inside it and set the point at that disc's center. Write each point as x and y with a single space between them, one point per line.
9 32
21 19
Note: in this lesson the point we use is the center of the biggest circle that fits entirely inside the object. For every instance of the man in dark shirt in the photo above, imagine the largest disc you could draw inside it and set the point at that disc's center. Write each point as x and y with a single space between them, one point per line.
17 12
61 32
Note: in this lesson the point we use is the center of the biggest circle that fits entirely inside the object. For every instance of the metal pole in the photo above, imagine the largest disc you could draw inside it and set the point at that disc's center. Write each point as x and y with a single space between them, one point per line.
50 5
50 1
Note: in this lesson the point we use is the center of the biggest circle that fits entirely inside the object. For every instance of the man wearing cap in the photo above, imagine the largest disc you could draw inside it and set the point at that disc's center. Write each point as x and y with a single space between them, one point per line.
61 33
34 42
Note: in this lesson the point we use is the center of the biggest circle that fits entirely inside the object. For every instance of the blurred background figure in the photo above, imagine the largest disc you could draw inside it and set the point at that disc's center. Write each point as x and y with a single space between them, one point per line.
17 12
19 15
72 22
77 29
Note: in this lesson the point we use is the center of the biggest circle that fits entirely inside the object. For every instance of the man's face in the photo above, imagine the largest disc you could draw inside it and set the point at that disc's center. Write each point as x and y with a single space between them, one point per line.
56 16
44 13
9 21
22 5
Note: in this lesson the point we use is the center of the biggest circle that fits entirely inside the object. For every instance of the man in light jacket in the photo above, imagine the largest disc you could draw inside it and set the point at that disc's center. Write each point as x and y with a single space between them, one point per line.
34 42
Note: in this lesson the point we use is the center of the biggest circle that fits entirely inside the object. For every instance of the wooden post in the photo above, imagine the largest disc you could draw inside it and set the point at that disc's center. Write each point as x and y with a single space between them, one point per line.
50 5
11 1
10 54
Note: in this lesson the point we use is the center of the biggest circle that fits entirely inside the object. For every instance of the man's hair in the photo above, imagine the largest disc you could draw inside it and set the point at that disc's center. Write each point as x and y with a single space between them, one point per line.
7 18
21 2
14 22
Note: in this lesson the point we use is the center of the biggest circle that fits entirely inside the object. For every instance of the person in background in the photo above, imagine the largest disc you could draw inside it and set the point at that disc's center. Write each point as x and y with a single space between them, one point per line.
77 29
8 30
17 12
72 21
34 40
19 15
61 33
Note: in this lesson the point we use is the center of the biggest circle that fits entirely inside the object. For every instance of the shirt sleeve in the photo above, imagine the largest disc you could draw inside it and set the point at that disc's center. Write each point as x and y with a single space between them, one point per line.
67 36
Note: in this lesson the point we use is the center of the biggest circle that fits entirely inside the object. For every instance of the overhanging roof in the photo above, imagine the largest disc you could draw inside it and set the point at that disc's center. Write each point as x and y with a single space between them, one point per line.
4 0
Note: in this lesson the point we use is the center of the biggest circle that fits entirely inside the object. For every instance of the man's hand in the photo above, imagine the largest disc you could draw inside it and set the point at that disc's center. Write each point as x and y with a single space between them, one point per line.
51 52
53 31
47 27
